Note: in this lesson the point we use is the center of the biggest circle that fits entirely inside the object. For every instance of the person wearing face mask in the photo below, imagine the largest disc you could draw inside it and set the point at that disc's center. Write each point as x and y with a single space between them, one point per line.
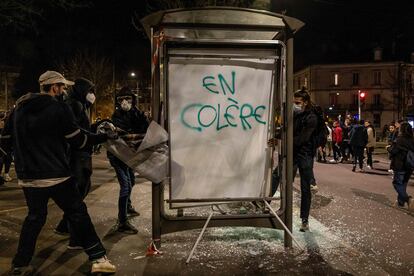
305 141
132 125
39 131
80 97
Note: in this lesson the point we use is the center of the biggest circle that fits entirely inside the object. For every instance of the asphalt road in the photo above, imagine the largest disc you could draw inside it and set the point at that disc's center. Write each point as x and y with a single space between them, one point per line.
354 231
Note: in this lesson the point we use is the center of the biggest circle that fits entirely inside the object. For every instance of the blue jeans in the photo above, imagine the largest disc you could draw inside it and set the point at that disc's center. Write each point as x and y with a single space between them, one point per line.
126 179
67 198
304 163
399 182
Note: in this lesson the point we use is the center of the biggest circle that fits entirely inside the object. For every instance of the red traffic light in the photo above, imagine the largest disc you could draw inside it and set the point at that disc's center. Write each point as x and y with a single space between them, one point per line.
362 95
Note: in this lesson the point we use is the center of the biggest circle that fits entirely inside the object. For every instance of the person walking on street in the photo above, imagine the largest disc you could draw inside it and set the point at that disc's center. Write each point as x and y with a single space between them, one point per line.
305 132
371 143
133 124
337 141
346 128
43 169
358 141
402 172
390 140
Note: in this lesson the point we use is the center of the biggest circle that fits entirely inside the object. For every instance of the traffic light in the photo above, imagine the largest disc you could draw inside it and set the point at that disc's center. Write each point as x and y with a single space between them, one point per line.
362 97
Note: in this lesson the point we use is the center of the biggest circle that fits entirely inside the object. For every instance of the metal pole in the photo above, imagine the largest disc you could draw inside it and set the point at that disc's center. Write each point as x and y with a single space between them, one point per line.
359 105
199 238
289 142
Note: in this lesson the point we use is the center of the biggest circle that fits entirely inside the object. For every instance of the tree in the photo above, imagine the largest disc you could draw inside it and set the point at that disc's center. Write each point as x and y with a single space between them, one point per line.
96 68
23 14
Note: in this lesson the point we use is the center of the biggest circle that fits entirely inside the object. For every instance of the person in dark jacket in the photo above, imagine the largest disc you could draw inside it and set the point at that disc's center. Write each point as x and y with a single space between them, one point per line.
402 172
39 131
132 125
358 140
80 98
305 126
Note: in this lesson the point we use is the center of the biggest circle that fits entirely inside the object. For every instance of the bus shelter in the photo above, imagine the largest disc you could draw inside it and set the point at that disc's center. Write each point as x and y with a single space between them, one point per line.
222 87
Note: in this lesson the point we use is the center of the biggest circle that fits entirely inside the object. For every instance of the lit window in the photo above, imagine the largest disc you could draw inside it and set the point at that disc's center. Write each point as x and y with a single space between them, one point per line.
336 79
306 82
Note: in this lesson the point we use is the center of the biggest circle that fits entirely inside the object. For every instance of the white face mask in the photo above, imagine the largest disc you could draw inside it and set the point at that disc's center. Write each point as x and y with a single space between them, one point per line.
297 108
90 97
125 105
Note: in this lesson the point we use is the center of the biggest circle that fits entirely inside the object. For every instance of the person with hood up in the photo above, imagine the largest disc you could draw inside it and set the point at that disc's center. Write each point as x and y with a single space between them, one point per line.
402 172
132 125
371 143
358 140
79 99
39 130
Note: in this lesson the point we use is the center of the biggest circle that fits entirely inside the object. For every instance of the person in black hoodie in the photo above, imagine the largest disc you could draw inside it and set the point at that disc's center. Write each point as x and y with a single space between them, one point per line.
79 98
39 130
402 172
358 140
132 125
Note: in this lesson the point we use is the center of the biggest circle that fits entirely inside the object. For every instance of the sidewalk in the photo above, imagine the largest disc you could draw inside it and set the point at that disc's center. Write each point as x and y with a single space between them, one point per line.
222 251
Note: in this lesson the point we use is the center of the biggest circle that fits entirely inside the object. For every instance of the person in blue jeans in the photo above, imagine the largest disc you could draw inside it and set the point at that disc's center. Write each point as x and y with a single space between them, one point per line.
402 172
132 125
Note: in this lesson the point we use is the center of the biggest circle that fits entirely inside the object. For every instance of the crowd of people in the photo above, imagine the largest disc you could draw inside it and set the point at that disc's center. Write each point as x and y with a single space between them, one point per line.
54 162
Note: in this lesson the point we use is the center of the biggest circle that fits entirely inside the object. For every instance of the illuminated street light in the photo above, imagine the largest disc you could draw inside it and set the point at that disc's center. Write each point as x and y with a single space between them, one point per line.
132 74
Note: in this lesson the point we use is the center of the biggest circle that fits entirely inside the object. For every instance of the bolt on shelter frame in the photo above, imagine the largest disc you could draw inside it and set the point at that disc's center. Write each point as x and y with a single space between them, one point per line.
216 28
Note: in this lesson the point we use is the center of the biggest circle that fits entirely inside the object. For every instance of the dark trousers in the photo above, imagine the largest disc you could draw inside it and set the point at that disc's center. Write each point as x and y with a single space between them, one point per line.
305 165
400 181
345 150
370 151
126 179
6 161
81 166
358 156
337 150
67 198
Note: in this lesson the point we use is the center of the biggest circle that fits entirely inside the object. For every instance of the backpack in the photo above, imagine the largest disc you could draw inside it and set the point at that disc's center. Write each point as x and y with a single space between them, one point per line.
321 132
410 159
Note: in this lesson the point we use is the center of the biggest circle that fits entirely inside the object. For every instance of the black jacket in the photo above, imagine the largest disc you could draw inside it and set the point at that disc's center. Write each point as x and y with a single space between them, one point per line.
39 130
398 152
132 121
80 107
358 136
304 133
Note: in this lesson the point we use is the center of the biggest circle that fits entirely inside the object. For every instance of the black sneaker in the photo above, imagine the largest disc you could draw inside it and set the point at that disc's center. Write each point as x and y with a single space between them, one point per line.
304 227
126 228
132 212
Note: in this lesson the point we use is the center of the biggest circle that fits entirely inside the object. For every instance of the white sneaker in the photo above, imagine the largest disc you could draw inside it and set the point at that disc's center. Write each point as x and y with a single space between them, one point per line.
369 167
314 188
7 177
102 265
391 171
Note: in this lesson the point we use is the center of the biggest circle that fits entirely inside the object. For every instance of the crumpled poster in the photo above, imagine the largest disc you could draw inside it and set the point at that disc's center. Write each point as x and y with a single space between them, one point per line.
150 159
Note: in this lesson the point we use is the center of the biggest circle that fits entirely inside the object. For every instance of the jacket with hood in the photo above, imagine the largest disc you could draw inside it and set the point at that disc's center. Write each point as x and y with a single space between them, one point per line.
39 130
358 136
337 135
398 153
76 99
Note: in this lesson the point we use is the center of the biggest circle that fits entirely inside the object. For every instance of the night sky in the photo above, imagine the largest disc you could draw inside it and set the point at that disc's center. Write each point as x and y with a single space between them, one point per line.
335 31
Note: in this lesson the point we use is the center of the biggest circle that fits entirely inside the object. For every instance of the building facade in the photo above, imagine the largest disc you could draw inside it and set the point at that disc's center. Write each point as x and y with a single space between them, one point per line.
387 87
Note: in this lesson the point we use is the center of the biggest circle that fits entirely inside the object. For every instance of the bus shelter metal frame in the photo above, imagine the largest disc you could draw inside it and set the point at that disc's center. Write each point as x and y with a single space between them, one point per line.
154 25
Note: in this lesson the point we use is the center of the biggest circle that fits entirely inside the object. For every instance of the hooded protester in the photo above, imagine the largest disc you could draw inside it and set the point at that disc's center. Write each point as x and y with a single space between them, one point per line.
132 125
79 99
39 130
402 172
358 140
